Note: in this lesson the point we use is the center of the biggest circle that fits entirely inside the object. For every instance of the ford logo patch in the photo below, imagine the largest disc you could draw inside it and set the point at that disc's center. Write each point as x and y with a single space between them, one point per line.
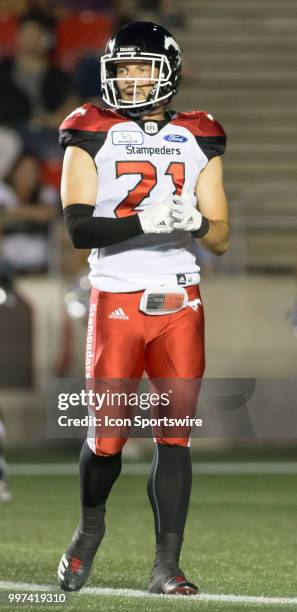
175 138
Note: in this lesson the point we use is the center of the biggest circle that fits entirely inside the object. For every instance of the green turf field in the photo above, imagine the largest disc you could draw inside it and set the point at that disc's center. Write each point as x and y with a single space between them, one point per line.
240 540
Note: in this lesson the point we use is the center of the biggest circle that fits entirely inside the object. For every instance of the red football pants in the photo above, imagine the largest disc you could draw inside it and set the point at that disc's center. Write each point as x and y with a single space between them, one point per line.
123 342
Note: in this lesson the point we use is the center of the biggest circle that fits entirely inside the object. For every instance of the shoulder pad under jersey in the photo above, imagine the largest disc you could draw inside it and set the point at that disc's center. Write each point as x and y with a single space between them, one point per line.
87 126
209 133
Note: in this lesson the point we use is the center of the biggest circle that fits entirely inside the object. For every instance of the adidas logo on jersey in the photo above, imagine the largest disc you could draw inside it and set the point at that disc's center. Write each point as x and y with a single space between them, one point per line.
118 314
194 304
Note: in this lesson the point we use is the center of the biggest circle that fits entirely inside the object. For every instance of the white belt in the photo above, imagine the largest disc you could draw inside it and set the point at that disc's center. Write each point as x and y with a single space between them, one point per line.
163 300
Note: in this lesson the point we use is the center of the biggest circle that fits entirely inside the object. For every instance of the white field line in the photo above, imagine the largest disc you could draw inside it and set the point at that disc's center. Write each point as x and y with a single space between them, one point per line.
142 469
277 601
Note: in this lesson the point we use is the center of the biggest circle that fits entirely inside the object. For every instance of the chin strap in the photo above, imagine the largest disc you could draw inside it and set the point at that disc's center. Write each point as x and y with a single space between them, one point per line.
136 113
139 113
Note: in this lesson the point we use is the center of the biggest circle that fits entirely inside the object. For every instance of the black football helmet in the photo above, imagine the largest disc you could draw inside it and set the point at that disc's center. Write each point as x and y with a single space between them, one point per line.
147 42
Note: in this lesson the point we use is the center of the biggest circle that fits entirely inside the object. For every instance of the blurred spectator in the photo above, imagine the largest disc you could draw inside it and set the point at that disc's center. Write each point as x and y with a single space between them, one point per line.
27 209
34 87
10 147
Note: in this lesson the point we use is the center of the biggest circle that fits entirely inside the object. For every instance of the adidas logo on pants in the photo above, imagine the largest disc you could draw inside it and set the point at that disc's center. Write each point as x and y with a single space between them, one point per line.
118 314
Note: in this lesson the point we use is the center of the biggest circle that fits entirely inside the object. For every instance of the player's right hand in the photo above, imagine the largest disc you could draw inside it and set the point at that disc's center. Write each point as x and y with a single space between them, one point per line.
156 218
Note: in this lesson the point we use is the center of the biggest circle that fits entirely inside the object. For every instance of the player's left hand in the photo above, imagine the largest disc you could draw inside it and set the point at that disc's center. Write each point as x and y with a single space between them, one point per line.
184 212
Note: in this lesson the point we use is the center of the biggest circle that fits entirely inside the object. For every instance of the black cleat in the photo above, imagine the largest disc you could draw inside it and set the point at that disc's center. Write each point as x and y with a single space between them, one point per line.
76 563
167 578
73 572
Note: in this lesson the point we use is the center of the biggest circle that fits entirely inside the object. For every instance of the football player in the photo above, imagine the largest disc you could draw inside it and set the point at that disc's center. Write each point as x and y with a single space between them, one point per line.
141 186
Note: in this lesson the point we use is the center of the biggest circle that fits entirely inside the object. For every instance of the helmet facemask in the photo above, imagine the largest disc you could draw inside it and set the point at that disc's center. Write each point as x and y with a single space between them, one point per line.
161 90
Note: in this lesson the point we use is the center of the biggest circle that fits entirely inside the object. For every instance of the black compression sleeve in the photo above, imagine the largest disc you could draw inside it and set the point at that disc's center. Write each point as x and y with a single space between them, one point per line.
88 232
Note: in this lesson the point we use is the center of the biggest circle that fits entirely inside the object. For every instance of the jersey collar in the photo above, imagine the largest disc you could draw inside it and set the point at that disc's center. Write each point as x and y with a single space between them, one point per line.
153 127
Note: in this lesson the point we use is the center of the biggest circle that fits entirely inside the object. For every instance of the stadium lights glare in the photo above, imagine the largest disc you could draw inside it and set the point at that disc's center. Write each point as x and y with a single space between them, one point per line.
85 283
77 310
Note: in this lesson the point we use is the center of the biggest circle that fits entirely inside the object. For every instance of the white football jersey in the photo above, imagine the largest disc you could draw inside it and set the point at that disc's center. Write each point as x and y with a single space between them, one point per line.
137 162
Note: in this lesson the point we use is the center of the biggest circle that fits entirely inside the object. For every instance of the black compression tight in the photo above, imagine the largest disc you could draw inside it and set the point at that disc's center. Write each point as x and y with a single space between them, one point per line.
169 488
97 475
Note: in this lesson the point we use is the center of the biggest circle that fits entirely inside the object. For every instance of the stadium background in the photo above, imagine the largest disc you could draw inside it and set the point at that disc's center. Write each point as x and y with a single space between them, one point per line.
239 65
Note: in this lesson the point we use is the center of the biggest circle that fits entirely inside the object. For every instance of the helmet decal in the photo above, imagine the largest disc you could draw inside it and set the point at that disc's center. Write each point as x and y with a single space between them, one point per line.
170 41
111 45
